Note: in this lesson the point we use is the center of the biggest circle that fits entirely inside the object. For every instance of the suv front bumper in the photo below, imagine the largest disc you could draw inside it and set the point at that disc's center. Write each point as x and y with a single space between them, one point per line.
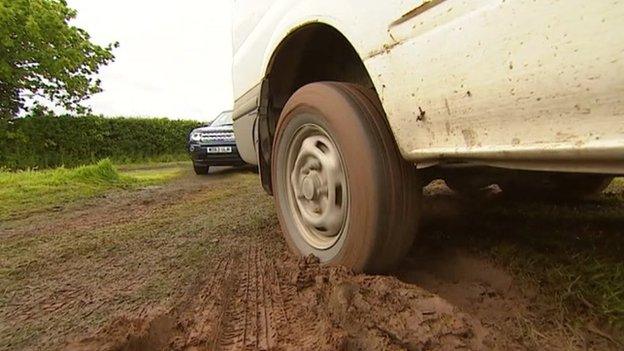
200 156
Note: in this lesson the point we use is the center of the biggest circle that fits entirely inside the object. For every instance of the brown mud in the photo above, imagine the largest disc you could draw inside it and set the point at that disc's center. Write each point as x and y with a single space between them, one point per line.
259 297
254 300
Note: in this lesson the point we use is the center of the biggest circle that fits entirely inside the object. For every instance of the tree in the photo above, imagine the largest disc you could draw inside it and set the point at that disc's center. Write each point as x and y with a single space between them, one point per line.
42 55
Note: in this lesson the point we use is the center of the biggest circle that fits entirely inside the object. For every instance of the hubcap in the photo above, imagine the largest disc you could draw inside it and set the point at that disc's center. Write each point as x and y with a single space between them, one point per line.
310 187
318 188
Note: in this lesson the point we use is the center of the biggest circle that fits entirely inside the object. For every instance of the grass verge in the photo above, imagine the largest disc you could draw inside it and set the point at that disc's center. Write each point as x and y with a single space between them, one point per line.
27 192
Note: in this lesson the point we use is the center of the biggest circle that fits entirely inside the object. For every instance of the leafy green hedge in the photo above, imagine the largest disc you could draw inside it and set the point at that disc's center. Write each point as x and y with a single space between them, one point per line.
44 142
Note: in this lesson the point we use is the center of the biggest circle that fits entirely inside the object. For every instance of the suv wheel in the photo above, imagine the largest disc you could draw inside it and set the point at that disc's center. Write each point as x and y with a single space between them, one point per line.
343 193
200 169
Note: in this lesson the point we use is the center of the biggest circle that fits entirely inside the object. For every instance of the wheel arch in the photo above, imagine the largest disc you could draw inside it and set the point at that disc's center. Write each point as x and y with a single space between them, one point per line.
312 52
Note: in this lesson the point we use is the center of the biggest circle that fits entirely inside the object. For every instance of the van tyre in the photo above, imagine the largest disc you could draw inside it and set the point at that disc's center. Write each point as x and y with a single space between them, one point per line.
342 190
200 169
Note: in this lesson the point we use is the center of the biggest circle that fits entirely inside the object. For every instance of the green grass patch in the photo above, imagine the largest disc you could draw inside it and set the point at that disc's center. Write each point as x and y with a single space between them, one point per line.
153 176
149 166
26 192
153 161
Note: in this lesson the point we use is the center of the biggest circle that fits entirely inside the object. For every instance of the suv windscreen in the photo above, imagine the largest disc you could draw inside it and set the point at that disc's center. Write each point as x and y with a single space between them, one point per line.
224 119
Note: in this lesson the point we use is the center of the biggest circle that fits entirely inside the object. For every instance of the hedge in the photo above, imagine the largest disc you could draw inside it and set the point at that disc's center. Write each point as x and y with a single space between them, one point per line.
45 142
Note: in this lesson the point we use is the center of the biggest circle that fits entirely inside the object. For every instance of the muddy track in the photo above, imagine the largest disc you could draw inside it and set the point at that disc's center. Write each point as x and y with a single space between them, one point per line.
253 299
245 307
202 322
258 310
254 295
256 301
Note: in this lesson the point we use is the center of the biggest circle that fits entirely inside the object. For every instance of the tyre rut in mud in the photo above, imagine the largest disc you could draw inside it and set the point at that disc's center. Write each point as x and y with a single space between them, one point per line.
254 300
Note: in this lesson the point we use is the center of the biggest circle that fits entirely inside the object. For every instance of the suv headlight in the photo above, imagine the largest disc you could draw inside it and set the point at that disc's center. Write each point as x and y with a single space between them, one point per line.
195 136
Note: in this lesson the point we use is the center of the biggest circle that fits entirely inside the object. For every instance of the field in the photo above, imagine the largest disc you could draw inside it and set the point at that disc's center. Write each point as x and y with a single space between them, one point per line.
153 257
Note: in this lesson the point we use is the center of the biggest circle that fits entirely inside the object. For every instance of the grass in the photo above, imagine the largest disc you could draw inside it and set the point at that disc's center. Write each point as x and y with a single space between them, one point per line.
572 253
155 175
577 251
26 192
151 166
156 161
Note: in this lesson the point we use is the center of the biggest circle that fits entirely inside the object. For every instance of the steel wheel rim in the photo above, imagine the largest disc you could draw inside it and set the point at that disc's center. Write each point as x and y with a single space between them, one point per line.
317 187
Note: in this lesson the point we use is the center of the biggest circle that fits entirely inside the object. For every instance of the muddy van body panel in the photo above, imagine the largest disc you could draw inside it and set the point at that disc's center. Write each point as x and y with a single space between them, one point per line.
514 84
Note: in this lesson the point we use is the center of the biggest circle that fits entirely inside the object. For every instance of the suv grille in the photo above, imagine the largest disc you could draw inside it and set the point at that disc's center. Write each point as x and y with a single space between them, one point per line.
229 136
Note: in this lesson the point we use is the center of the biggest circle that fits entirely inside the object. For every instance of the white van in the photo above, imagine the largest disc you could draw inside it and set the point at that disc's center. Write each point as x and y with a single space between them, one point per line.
349 107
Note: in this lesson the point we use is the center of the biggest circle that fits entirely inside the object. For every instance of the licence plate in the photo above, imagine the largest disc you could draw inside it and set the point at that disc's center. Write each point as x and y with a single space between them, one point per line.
219 149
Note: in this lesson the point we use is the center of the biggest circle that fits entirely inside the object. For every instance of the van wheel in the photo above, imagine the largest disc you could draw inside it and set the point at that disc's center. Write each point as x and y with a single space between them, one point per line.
555 186
342 191
200 169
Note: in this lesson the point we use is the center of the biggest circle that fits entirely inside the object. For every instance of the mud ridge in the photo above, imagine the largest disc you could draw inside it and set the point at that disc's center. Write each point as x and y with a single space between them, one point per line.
254 301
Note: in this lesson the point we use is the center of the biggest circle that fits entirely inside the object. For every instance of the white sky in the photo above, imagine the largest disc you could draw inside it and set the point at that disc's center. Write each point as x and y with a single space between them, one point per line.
174 58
